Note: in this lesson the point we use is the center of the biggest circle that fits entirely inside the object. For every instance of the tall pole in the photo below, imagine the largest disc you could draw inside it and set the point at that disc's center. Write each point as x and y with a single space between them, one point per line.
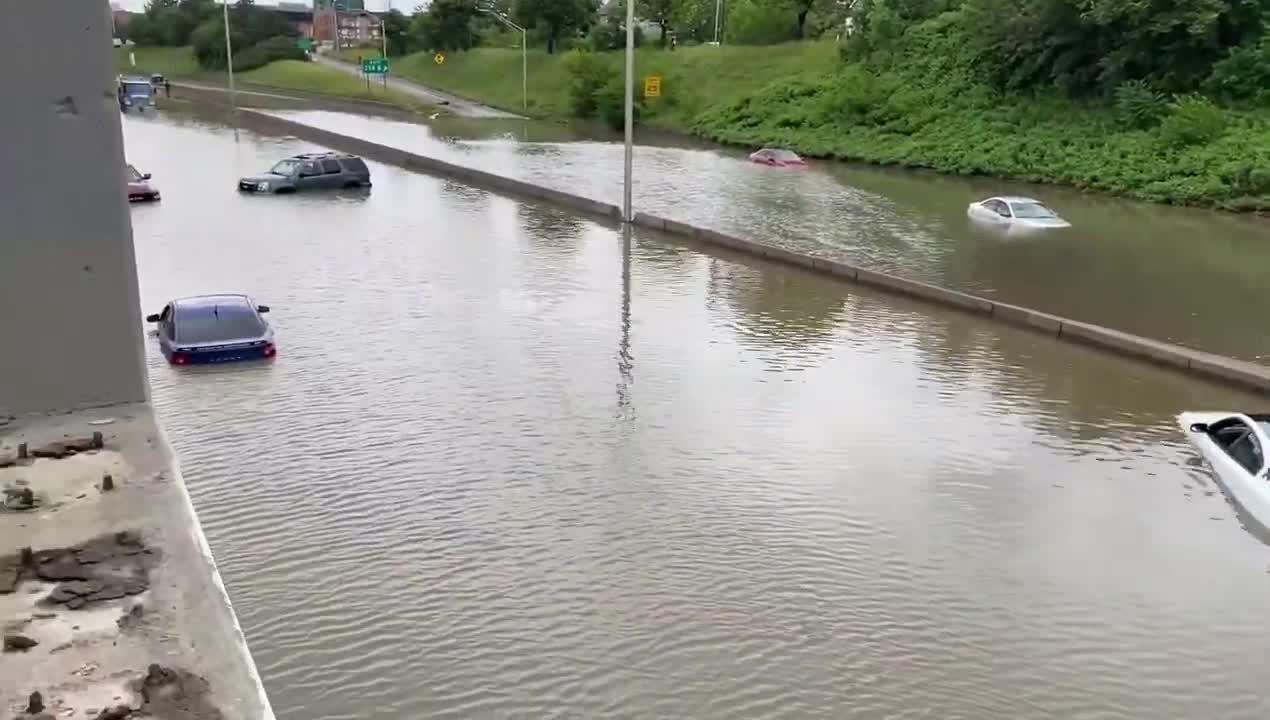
229 58
383 35
718 5
524 52
627 215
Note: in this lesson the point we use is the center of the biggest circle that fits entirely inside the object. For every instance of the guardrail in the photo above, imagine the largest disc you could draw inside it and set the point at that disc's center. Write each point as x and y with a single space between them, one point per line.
1219 368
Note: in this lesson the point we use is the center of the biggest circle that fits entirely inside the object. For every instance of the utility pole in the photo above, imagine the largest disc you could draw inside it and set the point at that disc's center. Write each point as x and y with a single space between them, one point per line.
627 214
229 59
524 51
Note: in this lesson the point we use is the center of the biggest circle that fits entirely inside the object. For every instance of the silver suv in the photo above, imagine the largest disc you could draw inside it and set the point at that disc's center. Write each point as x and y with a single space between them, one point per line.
310 171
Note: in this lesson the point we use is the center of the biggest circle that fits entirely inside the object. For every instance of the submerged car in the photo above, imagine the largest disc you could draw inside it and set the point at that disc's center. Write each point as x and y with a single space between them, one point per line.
134 93
1022 212
1234 445
140 189
214 329
778 157
310 171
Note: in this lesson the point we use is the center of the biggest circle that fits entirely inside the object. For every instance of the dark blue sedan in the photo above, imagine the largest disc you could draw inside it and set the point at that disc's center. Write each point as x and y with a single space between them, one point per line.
214 329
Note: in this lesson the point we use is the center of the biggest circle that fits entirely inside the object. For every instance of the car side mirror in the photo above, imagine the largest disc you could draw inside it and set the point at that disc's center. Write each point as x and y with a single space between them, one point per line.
152 318
1199 427
262 308
145 176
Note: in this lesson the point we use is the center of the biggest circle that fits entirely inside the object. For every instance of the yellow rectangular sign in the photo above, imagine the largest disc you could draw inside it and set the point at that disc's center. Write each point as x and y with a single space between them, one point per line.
652 86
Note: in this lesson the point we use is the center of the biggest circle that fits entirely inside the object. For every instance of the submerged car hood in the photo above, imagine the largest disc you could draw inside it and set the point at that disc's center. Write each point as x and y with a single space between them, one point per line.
1053 222
264 177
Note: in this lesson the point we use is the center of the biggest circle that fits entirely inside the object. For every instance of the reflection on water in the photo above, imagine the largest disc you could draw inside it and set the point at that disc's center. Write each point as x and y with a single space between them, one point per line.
1167 273
511 463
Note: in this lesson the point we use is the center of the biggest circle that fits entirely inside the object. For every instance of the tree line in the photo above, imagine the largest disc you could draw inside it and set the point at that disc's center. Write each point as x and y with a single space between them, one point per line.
259 35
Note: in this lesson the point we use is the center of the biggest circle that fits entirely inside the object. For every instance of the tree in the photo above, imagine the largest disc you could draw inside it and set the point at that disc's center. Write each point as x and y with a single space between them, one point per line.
658 11
554 17
397 32
445 25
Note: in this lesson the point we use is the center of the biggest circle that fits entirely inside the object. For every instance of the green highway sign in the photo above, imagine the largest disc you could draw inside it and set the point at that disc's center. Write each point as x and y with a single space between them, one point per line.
375 66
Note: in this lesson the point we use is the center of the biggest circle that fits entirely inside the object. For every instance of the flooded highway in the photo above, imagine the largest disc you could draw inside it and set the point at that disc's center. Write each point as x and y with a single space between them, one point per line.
1168 273
511 464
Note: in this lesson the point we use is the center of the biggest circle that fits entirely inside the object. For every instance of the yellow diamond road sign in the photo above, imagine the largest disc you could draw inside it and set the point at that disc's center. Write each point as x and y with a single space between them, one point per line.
652 86
438 58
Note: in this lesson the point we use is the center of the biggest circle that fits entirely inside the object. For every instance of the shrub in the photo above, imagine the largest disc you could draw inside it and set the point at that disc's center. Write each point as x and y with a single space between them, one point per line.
1244 74
1192 119
609 35
1137 105
588 73
263 53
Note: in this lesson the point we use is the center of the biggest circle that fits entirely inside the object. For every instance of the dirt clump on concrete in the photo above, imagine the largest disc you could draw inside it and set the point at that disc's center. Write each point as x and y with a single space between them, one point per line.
107 567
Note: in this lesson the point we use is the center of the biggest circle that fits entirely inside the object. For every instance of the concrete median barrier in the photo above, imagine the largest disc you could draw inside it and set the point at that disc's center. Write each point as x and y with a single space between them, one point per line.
1213 367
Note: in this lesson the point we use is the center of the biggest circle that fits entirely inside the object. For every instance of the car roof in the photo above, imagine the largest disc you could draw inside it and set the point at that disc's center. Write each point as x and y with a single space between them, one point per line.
227 300
323 156
1016 199
133 78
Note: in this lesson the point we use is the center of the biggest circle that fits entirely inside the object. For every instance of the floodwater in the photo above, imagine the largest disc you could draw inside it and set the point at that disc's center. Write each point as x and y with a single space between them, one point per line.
1183 275
511 464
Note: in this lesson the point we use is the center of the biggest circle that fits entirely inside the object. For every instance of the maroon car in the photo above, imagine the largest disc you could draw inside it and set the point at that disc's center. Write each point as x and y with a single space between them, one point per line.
140 189
778 157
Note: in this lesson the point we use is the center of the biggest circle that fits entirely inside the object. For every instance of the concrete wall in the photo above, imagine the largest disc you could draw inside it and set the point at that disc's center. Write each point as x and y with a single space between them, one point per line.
70 319
1211 367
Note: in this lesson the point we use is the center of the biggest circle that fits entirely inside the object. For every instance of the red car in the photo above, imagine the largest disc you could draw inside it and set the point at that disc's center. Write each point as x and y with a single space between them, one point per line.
140 189
777 157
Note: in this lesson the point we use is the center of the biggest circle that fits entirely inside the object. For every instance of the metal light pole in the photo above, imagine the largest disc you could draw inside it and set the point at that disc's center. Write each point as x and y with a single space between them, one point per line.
524 53
383 35
718 6
627 214
229 58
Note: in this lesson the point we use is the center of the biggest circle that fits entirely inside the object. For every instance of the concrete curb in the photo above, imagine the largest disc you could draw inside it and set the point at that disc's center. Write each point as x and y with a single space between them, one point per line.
253 119
1217 368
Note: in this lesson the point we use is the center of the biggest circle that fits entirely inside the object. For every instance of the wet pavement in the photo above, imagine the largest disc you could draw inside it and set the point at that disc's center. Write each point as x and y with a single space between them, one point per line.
1173 274
509 464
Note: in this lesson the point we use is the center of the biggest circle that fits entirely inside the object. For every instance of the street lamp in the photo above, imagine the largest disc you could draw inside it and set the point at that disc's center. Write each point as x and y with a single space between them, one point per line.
718 5
229 58
627 215
524 52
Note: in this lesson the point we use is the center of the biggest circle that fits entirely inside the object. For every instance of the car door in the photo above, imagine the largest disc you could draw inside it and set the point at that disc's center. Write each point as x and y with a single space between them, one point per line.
333 174
167 329
1238 457
310 176
1000 212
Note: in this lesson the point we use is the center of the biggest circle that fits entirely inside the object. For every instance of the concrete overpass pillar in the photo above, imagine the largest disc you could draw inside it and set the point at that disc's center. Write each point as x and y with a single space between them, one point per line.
70 320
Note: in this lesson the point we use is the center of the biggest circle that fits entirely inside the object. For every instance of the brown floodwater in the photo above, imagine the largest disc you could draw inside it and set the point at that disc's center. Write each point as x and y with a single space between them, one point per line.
511 463
1183 275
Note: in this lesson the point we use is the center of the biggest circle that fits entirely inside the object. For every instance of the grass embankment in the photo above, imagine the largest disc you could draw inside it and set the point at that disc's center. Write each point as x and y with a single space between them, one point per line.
179 63
803 96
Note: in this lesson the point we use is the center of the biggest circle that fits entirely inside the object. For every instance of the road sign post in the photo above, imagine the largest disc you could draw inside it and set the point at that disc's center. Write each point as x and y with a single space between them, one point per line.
375 66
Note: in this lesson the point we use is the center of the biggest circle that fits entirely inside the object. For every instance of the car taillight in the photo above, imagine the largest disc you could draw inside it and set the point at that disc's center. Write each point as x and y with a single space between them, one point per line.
270 350
178 358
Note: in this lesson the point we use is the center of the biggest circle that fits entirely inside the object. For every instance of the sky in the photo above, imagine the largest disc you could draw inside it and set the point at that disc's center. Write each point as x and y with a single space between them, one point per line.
374 5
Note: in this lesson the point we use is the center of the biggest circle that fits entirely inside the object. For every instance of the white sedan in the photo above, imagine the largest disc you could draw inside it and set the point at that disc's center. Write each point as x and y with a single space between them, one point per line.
1234 446
1017 212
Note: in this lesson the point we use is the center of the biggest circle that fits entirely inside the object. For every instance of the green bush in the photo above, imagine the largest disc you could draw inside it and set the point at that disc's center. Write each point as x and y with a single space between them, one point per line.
1244 74
1138 105
1192 120
608 34
761 22
263 53
588 73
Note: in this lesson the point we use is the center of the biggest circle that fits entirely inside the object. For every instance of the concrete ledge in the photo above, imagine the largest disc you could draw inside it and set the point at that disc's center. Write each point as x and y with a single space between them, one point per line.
1132 345
265 122
106 574
1026 317
1212 367
922 291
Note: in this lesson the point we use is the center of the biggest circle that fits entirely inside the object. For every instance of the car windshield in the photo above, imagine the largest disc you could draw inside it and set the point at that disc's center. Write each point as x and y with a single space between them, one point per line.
209 324
137 88
286 167
132 175
780 154
1031 210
